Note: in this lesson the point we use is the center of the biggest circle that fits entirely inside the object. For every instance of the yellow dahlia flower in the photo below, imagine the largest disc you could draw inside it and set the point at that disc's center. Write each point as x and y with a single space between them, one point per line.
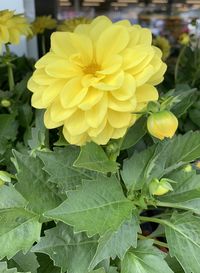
42 23
164 45
71 24
12 26
94 79
162 124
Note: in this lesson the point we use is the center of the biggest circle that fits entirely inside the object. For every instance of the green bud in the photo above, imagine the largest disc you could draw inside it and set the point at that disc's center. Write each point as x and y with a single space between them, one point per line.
153 107
5 103
187 168
5 176
161 187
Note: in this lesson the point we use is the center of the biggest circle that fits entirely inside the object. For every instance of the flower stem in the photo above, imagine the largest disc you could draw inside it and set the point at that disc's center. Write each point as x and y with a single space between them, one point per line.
156 242
178 63
168 205
152 219
43 45
11 81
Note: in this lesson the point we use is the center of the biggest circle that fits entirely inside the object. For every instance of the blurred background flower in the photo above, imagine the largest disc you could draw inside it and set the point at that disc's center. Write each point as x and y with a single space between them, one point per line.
42 23
71 24
164 45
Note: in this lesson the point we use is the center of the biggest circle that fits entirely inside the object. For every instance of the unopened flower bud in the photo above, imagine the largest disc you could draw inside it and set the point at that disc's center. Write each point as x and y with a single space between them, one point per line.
187 168
5 103
161 187
162 124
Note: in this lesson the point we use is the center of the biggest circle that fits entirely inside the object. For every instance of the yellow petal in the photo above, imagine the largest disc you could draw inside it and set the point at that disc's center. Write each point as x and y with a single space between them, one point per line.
118 133
146 93
93 97
33 86
52 91
58 113
76 140
93 132
72 93
145 36
142 77
63 69
76 124
48 58
134 34
111 65
65 44
14 36
110 82
116 37
49 123
36 100
127 89
142 65
118 119
122 106
4 35
97 113
97 26
125 23
104 136
134 56
158 77
41 78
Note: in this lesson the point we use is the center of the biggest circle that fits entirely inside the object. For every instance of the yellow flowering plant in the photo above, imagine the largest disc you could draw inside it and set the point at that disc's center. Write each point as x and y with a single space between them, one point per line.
71 24
12 27
42 23
99 194
93 90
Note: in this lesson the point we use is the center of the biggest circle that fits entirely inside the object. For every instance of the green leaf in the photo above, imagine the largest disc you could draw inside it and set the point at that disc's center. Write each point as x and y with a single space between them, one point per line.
24 262
4 269
100 201
186 97
72 252
46 264
155 161
8 130
10 198
145 259
25 114
33 184
174 264
194 115
183 238
93 157
19 229
38 133
134 134
59 165
186 192
116 243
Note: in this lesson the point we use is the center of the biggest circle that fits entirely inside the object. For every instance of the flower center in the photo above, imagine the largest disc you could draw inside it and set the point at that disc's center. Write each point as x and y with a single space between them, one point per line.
91 69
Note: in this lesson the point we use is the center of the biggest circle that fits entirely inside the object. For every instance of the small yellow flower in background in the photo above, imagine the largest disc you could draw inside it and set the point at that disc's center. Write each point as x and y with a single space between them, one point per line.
162 124
187 168
12 26
161 187
93 80
164 45
71 24
197 164
42 23
184 39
